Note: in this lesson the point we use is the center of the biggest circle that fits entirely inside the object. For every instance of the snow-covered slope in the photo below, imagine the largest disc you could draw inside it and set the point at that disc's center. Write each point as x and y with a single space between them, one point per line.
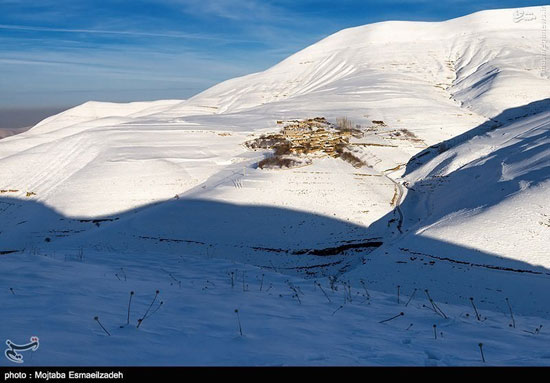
455 122
406 74
435 81
284 320
476 221
489 61
492 192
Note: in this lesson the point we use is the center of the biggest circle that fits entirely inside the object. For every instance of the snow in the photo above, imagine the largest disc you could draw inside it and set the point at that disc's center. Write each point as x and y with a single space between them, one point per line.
453 199
511 166
197 323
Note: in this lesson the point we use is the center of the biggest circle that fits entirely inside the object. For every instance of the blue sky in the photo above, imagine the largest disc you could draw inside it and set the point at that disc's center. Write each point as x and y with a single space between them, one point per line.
65 52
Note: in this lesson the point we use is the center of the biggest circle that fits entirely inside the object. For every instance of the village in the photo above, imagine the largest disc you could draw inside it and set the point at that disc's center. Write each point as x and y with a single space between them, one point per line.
315 136
299 138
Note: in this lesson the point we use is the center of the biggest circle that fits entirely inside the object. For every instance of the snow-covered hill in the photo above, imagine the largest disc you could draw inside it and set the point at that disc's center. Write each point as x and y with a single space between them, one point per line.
454 122
436 80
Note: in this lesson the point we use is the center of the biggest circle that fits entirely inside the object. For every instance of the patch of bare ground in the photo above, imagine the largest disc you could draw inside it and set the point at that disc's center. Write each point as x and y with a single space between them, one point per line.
351 158
395 198
278 162
395 168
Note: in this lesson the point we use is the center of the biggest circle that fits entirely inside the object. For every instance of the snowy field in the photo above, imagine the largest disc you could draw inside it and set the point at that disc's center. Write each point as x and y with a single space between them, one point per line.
284 320
454 119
